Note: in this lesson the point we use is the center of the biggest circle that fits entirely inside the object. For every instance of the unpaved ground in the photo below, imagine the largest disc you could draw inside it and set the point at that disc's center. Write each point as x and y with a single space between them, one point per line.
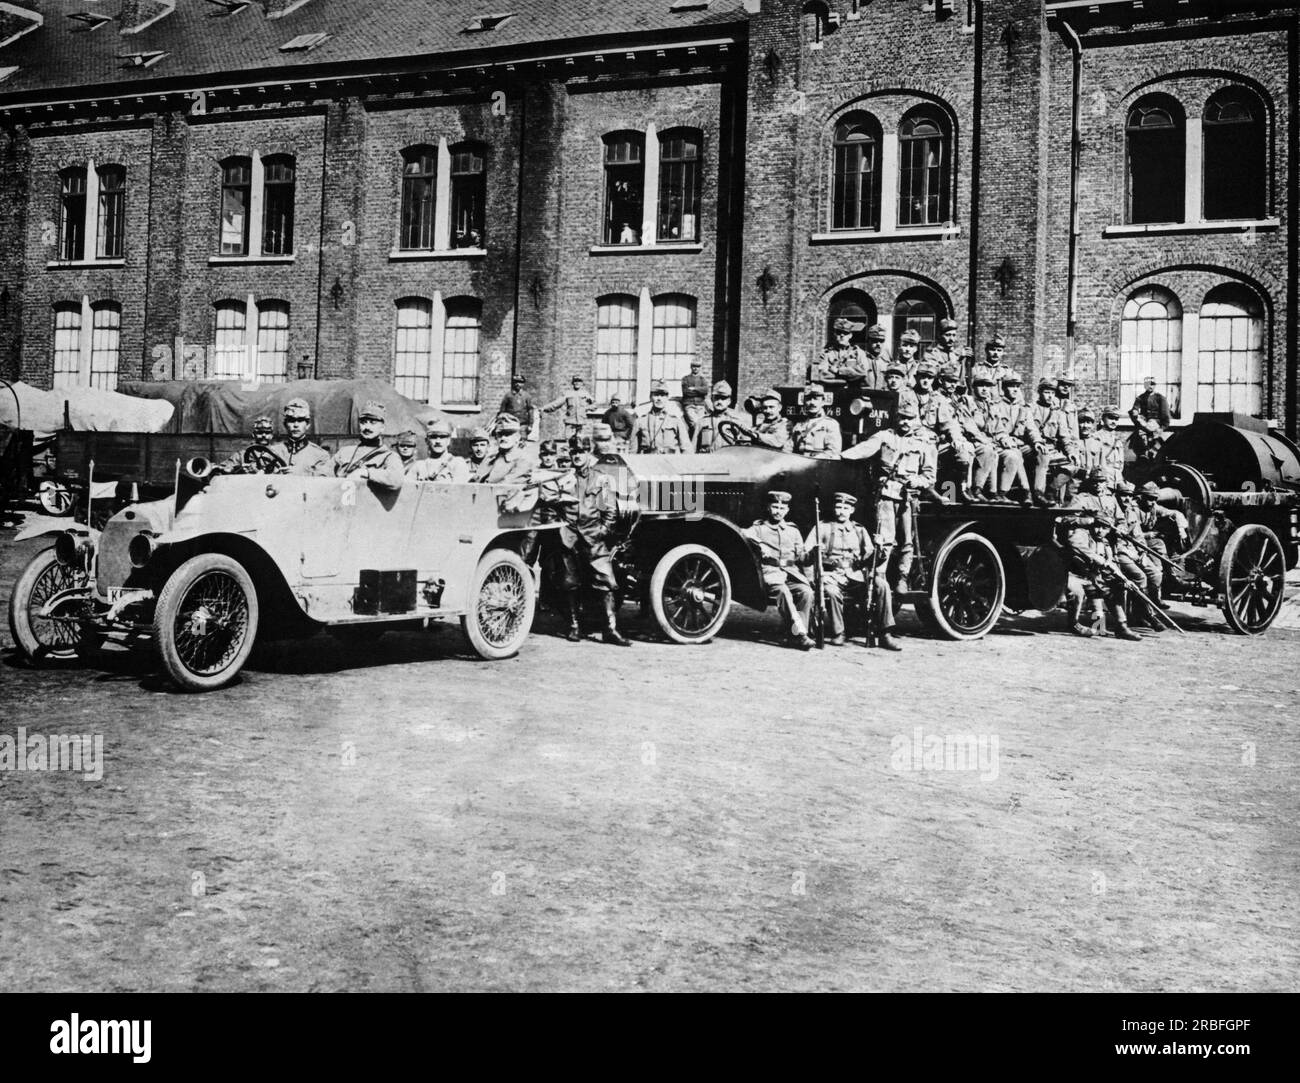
661 818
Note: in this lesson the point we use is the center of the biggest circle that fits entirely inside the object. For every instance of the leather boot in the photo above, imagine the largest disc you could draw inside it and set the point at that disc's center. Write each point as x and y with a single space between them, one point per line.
575 629
611 633
888 641
1122 630
1073 613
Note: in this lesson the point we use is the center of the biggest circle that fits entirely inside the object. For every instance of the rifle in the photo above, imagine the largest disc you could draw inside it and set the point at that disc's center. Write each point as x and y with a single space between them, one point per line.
1142 545
1113 572
819 582
868 640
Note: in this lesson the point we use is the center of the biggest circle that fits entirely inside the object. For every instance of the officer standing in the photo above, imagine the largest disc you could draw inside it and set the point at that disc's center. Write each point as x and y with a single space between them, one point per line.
847 565
1065 392
519 403
441 464
707 436
303 455
771 429
621 422
780 551
817 436
877 357
369 460
576 402
842 359
695 392
994 365
660 431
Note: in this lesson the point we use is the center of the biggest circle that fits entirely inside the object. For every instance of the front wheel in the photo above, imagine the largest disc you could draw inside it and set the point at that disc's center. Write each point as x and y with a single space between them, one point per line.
1252 576
205 622
967 588
502 601
690 594
44 639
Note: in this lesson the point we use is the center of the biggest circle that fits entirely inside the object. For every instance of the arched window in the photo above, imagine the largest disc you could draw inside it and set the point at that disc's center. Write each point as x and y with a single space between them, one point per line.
112 212
672 339
278 183
468 195
67 344
460 351
616 347
105 344
236 202
918 309
851 304
1230 358
72 213
624 187
419 184
1154 155
924 164
1151 344
229 340
679 185
855 173
1233 153
272 341
413 348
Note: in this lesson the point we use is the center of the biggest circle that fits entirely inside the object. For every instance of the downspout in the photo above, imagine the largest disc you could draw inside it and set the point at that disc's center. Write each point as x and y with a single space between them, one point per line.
977 147
1072 276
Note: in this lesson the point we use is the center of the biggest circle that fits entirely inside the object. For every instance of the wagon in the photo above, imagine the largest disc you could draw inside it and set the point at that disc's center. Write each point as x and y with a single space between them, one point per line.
199 575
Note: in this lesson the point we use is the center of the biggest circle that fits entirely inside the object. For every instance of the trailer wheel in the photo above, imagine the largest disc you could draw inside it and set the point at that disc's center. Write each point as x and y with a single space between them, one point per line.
42 639
1252 574
502 601
690 594
205 622
967 588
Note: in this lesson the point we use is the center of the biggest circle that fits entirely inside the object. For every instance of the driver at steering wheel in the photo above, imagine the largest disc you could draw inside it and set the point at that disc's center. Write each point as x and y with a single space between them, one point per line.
257 458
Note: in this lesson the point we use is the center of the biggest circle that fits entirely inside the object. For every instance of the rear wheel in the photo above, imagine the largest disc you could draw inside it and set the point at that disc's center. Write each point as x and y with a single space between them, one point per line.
967 588
44 639
690 594
205 622
1252 574
502 601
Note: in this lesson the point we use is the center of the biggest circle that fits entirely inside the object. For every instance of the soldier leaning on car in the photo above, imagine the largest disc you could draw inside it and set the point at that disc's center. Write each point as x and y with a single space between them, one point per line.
369 460
304 456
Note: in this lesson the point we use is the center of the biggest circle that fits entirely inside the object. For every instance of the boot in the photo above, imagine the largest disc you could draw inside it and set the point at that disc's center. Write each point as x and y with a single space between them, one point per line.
888 641
575 629
1073 613
1153 622
1040 499
1122 630
611 633
902 586
931 493
971 495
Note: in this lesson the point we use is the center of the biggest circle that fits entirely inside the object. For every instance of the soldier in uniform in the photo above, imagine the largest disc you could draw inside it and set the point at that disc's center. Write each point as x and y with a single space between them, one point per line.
994 364
1000 443
304 456
896 381
1094 494
510 464
660 431
555 489
441 465
842 360
906 466
405 447
948 353
817 436
771 429
1094 575
252 459
1065 392
1138 566
1061 450
1023 427
847 564
954 453
479 442
909 342
369 460
519 403
1112 442
695 392
576 402
877 357
1151 417
780 550
621 422
586 548
707 437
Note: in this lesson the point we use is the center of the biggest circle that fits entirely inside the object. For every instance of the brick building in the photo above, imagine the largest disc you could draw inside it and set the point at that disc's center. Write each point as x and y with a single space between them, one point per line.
441 194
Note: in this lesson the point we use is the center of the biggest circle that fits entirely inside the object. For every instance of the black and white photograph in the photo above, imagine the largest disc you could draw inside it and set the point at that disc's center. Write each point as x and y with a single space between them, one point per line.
671 496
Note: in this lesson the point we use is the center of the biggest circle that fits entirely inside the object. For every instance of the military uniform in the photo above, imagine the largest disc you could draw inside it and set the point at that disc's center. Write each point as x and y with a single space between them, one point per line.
445 468
817 437
847 552
1113 442
519 403
373 462
659 432
707 437
576 403
303 456
510 465
774 433
780 551
1002 426
695 393
1095 577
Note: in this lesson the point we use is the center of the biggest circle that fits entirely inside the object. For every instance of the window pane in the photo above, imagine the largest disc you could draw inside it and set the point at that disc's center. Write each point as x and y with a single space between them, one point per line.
272 341
67 345
105 345
236 181
72 214
1155 152
418 188
624 190
1151 344
616 329
672 341
112 208
468 193
460 354
229 354
855 184
277 206
412 348
918 310
679 188
1230 364
1234 155
923 172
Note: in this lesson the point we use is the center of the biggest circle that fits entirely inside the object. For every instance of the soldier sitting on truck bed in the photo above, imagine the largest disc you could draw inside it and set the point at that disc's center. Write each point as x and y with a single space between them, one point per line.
303 455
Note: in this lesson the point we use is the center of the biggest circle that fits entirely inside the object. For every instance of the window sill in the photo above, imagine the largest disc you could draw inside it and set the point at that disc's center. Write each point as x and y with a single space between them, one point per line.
215 260
399 255
869 236
1235 225
81 264
639 249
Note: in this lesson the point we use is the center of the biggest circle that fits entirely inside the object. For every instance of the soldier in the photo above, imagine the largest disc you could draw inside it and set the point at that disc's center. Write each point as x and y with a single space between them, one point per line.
576 402
842 359
1094 494
405 446
780 551
479 441
877 357
441 465
510 464
847 565
1094 576
1138 566
1032 445
1065 392
1061 450
660 431
947 352
257 458
1151 417
695 392
707 437
369 460
519 403
896 381
1112 442
621 422
771 429
909 343
555 490
1000 445
906 467
586 547
954 453
303 455
993 366
817 436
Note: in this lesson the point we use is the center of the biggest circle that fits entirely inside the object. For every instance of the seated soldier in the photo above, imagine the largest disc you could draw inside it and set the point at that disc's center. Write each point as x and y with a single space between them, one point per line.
849 570
771 429
257 458
817 436
369 460
405 446
441 465
304 456
780 550
1094 576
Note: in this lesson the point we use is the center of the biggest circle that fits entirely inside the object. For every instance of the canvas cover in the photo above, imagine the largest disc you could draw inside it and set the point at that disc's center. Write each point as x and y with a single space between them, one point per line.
88 410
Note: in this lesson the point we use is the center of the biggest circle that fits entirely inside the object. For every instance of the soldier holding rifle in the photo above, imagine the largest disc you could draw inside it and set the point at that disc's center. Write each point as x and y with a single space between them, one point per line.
849 569
780 550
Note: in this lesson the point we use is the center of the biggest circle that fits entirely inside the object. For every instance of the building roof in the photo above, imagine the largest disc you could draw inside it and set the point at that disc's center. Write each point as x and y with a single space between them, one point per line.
204 40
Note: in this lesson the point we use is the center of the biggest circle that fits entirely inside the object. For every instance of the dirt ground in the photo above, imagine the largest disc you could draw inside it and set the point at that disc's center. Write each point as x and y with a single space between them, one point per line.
732 816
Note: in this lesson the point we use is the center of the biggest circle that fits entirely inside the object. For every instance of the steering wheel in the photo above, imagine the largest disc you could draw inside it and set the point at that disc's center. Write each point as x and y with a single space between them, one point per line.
735 433
259 459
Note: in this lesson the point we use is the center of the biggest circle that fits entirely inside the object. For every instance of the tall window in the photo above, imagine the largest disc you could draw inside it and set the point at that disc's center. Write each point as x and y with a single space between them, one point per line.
1230 361
679 185
229 345
918 309
460 352
468 194
624 187
852 305
924 161
672 339
72 213
112 212
105 344
272 341
277 207
67 345
616 347
855 179
413 348
1154 155
236 204
1234 155
419 183
1151 344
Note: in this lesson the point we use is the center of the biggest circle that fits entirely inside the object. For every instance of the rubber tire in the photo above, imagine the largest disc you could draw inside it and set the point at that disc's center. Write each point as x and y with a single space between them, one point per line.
660 577
56 500
489 562
25 636
942 625
1235 541
170 600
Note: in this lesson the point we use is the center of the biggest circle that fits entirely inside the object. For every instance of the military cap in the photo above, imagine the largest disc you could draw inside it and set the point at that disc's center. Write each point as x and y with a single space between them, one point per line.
658 388
506 423
1065 381
1046 385
578 442
548 447
1085 414
813 391
722 388
907 408
770 393
910 336
896 367
695 364
575 378
844 326
616 397
1012 378
982 378
405 438
997 342
948 372
1096 474
1149 489
297 408
876 333
479 435
778 496
1125 488
438 427
518 378
927 367
601 432
947 325
373 409
262 422
846 498
1110 411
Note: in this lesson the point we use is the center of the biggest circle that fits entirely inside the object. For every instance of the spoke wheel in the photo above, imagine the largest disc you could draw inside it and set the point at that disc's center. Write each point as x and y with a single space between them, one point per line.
44 639
967 588
502 601
690 594
205 622
1252 574
56 499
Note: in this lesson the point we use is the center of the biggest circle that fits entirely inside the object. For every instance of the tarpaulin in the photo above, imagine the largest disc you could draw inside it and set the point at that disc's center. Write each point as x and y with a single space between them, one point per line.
89 409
